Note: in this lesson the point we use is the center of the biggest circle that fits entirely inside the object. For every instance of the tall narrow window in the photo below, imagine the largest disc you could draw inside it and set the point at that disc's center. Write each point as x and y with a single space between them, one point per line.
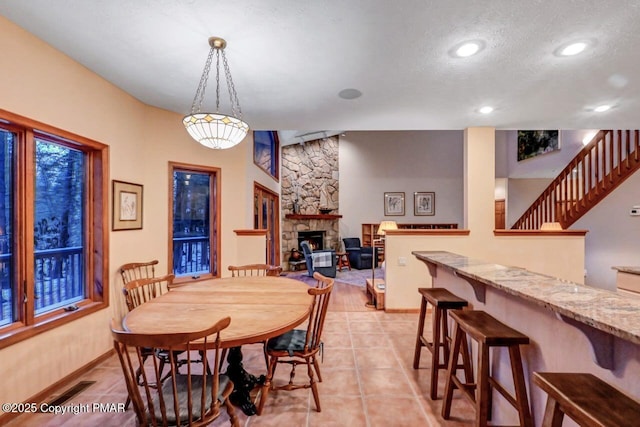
7 282
194 220
53 222
59 206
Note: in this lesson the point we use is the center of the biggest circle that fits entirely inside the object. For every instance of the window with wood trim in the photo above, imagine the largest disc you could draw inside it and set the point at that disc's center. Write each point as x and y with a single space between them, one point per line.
52 224
266 152
194 224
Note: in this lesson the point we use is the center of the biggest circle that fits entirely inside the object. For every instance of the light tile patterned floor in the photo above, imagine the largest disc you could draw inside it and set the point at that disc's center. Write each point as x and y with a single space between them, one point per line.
368 379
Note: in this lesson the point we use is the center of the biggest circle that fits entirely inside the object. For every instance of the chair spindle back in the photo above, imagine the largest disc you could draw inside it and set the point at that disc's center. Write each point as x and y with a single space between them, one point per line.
138 270
139 291
254 270
181 399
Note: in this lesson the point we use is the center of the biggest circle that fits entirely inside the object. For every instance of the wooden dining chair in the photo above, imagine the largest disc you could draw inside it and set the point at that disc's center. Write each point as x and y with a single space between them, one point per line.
192 398
139 291
138 270
255 270
300 346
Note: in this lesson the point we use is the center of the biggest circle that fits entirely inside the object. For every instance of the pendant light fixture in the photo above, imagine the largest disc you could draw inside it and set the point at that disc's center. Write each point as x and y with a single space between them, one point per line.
216 130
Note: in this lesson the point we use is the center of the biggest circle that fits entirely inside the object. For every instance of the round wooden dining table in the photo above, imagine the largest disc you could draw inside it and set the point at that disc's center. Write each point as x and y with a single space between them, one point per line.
259 307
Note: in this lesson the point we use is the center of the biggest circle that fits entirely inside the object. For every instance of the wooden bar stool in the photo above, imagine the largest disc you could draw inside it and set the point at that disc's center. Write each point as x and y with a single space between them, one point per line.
586 399
487 332
441 300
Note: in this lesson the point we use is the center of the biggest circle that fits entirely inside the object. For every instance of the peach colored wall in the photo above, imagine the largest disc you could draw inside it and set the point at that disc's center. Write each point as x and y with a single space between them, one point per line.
250 250
559 256
43 84
479 179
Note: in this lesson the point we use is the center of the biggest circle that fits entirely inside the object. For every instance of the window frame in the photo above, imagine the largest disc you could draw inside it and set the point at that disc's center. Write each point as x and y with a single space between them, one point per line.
214 216
96 240
274 151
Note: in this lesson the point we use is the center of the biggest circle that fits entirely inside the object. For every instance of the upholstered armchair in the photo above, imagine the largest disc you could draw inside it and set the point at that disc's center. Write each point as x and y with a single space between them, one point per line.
359 257
323 261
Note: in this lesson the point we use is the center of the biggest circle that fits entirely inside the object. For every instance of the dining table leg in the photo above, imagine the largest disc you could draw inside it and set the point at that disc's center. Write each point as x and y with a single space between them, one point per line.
243 382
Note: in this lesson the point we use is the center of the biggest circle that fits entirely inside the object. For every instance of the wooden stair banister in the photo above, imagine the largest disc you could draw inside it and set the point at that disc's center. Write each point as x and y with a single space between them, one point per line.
601 166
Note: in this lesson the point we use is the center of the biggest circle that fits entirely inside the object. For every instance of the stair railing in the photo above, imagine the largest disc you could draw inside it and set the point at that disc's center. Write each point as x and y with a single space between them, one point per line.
602 165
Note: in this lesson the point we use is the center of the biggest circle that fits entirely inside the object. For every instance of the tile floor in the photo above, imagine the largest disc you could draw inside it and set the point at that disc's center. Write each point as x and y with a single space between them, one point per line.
368 379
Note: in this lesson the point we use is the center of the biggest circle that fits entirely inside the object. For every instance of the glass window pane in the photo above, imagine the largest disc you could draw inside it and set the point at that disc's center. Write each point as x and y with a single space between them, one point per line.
266 149
191 223
7 285
59 231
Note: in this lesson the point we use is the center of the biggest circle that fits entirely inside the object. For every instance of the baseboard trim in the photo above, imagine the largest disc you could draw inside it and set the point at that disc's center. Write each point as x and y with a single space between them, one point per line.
39 397
402 310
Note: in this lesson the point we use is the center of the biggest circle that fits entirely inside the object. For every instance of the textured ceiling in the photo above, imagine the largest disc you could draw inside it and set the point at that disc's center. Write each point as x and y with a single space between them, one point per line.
290 58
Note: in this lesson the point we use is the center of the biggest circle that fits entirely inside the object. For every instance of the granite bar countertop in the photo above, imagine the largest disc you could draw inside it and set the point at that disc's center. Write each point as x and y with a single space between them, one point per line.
602 309
630 270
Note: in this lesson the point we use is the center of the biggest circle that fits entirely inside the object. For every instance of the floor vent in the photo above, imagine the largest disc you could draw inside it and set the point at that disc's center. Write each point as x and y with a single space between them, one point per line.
68 394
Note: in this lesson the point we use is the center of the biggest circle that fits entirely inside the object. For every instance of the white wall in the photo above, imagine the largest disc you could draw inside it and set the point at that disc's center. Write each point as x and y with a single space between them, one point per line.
521 193
372 163
547 165
614 235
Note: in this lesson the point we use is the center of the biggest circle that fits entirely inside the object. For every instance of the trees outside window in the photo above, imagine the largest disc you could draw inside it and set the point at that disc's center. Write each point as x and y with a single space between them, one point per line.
7 294
194 233
59 227
52 227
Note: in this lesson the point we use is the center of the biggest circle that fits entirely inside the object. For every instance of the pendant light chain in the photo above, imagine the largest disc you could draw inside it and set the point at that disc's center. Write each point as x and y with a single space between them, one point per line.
196 106
216 130
218 80
233 96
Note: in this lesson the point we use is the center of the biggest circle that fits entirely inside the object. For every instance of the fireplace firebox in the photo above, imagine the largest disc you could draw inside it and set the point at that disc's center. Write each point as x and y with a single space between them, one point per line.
315 239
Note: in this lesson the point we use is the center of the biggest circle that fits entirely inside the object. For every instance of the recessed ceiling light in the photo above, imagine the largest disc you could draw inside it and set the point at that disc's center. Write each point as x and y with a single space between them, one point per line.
468 49
486 109
349 93
602 108
573 49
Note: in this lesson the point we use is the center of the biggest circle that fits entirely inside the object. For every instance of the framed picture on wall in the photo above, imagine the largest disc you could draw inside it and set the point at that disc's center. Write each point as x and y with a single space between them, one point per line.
424 203
394 203
127 206
532 143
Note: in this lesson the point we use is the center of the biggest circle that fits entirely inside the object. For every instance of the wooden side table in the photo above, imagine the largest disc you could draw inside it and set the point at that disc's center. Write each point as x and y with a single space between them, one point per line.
343 260
375 292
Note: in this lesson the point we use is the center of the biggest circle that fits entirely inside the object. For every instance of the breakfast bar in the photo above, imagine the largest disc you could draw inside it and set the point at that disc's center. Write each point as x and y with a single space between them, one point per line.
572 327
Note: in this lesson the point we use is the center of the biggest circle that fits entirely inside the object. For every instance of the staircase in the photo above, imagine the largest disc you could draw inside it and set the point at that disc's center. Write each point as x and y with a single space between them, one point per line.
602 165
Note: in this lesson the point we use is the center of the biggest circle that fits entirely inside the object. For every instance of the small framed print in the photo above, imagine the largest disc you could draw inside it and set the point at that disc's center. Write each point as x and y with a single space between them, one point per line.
424 203
127 206
394 204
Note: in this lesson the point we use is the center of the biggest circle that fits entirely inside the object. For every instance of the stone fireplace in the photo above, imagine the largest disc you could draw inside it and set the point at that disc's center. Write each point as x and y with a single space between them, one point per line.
310 182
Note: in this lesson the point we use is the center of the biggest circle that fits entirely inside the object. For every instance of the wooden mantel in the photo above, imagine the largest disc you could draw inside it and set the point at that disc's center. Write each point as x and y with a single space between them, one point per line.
312 216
